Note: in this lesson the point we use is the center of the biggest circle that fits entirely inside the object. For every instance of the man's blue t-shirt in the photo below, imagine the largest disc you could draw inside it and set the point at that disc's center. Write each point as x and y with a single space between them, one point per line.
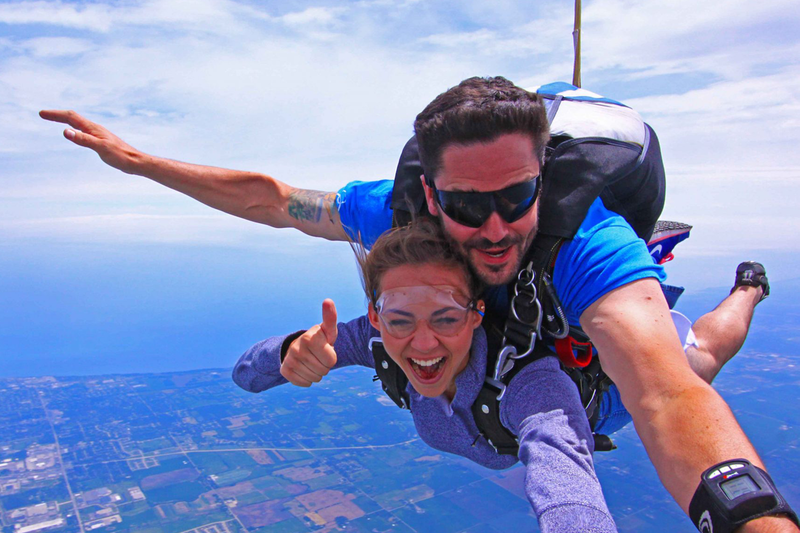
365 208
604 254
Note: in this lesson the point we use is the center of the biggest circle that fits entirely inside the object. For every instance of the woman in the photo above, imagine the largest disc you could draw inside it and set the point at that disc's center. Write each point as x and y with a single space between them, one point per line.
424 303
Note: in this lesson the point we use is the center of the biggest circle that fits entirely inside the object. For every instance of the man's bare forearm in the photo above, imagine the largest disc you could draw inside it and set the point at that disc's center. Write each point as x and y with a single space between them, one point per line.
688 432
248 195
683 423
685 426
682 446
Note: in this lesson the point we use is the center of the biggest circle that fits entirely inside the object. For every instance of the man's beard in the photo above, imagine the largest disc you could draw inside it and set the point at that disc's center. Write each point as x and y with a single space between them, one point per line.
495 275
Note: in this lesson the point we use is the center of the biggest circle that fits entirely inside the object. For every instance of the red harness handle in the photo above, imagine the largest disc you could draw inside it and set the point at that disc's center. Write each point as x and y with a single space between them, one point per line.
573 354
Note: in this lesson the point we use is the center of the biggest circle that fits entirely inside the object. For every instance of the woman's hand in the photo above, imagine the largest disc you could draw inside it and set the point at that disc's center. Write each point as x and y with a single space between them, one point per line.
311 355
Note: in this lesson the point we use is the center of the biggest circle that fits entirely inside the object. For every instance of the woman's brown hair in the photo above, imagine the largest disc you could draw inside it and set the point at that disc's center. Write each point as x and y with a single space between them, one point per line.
420 243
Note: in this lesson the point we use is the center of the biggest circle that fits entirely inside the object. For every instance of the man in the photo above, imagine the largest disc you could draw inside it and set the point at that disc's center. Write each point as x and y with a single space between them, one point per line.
685 426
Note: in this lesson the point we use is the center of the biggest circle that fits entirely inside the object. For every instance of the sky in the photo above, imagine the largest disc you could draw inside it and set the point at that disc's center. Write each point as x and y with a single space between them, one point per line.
103 272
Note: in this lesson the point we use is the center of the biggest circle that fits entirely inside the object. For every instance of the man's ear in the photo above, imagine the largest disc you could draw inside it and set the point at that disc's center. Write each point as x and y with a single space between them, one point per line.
372 314
433 207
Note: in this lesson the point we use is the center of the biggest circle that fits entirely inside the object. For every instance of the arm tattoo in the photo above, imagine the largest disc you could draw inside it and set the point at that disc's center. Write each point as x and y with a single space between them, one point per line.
310 205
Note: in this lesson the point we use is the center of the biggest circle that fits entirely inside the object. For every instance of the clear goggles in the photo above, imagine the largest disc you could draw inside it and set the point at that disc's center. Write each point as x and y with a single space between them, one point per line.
400 310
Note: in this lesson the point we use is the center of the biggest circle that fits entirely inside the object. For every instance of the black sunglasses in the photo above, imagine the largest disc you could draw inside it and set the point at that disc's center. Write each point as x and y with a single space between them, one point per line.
472 209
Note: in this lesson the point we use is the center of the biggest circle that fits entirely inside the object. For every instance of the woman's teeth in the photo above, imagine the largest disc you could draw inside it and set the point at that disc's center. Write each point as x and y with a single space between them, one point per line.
429 362
427 369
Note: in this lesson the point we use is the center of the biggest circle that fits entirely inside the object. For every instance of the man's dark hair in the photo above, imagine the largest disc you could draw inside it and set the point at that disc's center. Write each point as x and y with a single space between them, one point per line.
478 110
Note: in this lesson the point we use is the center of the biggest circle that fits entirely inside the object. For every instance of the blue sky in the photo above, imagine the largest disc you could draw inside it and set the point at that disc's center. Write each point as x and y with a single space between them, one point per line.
119 273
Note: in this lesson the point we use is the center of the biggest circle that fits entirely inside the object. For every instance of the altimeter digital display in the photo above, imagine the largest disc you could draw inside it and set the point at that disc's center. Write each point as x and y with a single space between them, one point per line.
733 488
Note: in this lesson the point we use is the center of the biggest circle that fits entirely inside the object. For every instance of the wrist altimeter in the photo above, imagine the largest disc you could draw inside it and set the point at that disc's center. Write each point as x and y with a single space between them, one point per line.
733 493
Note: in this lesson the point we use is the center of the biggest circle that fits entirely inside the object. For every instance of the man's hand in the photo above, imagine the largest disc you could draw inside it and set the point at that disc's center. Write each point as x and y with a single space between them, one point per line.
311 356
112 150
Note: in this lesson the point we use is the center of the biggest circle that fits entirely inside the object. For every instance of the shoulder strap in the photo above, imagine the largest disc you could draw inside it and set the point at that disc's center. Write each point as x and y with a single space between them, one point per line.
522 333
408 196
393 380
486 408
587 374
523 327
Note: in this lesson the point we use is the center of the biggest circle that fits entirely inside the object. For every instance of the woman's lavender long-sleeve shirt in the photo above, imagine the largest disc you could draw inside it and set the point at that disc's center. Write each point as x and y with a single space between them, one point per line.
541 407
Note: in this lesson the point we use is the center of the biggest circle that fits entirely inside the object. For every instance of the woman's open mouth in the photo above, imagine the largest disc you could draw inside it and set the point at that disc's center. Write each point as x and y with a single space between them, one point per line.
427 370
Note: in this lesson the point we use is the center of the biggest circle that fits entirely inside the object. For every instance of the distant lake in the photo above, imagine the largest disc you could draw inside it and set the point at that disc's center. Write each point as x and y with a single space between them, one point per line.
77 309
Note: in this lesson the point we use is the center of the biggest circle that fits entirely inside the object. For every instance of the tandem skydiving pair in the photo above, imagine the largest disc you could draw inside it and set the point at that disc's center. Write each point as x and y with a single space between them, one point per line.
553 258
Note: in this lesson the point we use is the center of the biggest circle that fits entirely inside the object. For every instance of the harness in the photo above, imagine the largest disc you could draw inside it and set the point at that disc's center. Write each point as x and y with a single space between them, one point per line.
625 170
524 338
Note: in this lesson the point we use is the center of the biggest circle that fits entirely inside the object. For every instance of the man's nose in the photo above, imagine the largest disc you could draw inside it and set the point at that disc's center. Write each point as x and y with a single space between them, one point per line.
495 228
424 339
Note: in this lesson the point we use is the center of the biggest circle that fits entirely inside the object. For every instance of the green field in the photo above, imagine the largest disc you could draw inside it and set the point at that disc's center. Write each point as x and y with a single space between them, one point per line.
180 492
231 477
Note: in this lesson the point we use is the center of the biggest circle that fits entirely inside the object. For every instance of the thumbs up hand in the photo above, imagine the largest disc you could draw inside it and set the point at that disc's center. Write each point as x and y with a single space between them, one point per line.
311 355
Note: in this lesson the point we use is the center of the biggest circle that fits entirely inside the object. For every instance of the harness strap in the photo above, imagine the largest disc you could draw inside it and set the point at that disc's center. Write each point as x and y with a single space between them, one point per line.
526 314
486 408
519 345
486 412
534 314
393 380
592 383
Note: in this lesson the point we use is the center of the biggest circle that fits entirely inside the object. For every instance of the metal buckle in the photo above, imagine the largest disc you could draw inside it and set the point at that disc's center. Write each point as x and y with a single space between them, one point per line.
525 278
534 330
500 370
372 341
498 385
525 296
563 326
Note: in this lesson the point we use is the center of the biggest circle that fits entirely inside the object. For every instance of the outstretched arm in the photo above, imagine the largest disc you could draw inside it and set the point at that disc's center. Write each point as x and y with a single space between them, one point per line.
543 409
308 355
685 426
248 195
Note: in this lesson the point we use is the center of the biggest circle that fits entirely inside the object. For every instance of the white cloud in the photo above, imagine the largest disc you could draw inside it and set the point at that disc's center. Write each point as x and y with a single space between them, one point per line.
318 94
211 16
50 47
393 4
480 37
317 16
728 38
733 208
92 17
138 228
732 123
524 40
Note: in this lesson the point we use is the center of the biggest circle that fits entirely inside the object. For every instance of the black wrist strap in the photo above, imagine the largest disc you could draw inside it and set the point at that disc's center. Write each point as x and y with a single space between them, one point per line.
781 509
288 341
710 516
